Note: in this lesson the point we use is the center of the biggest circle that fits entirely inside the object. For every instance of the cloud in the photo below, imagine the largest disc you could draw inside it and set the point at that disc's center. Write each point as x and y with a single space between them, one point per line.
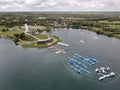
59 5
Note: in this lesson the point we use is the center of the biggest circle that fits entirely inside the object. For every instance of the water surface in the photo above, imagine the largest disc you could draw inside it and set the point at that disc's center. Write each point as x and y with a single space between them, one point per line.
41 69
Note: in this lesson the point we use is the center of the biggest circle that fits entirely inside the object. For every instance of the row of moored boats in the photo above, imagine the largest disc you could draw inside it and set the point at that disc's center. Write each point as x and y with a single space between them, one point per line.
104 72
79 64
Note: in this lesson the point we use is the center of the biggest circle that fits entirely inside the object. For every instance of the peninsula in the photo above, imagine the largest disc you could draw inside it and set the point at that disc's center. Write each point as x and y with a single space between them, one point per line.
27 28
29 36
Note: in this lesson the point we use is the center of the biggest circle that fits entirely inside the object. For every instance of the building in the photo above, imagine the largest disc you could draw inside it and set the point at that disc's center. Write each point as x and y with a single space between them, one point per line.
26 28
42 18
49 40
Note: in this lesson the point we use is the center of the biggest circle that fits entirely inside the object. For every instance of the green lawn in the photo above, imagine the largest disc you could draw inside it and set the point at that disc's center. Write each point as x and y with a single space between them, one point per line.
96 28
2 27
104 21
11 33
117 36
42 36
34 45
114 26
115 21
8 34
108 22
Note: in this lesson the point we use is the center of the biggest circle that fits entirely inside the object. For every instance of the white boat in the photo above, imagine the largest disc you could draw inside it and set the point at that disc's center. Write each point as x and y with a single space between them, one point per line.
101 78
112 74
63 44
104 72
60 52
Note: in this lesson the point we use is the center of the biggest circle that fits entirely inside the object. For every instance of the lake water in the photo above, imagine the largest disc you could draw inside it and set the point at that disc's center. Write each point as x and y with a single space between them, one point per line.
42 69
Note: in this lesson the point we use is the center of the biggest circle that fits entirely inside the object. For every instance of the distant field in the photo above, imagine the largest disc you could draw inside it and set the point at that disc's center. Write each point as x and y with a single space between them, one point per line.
104 21
108 22
114 26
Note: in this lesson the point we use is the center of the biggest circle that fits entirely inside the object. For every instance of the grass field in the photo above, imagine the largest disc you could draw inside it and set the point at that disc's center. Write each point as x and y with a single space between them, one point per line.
109 22
41 36
115 26
2 27
11 33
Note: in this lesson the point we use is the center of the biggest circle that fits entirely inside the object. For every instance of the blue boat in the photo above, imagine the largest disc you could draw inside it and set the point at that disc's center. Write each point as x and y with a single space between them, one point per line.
88 60
77 66
79 69
93 59
76 57
73 61
85 70
76 69
66 49
80 56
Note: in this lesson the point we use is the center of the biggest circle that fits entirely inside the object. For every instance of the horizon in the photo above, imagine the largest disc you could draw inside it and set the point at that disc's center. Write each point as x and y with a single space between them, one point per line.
61 11
59 5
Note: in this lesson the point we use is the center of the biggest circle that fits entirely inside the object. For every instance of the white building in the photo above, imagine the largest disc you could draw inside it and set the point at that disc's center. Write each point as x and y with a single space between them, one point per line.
26 28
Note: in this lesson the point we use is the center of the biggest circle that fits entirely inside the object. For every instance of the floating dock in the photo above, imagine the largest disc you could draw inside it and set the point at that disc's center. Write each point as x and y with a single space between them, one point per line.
93 59
63 44
76 69
78 66
61 52
72 61
77 63
85 70
58 50
88 60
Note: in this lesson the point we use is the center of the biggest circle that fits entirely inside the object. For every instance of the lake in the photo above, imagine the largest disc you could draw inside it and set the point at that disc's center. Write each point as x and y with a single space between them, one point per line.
42 69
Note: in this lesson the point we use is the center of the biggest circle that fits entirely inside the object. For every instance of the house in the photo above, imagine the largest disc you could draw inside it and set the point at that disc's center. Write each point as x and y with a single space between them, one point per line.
49 40
42 17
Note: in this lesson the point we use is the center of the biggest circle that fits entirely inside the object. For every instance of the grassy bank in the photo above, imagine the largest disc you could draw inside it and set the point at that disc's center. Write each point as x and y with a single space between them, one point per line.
24 40
108 33
35 45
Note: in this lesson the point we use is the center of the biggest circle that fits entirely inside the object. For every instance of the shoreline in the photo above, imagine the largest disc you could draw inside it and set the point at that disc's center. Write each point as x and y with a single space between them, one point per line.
25 40
101 32
56 39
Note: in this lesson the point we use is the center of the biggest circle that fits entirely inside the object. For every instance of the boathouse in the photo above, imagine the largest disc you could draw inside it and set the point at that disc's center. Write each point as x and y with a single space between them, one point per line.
49 40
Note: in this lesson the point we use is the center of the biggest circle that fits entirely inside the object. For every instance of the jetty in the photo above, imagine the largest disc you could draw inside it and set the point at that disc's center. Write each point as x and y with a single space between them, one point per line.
88 60
73 61
58 50
60 43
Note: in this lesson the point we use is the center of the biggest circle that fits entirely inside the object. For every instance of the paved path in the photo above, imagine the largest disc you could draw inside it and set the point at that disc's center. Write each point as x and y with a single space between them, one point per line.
32 36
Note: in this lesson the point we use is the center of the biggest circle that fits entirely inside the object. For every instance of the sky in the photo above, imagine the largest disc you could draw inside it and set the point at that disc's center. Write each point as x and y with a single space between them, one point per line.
59 5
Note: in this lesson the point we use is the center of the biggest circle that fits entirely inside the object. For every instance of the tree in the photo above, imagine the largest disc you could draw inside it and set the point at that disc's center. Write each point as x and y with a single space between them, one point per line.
16 39
16 35
22 36
3 30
